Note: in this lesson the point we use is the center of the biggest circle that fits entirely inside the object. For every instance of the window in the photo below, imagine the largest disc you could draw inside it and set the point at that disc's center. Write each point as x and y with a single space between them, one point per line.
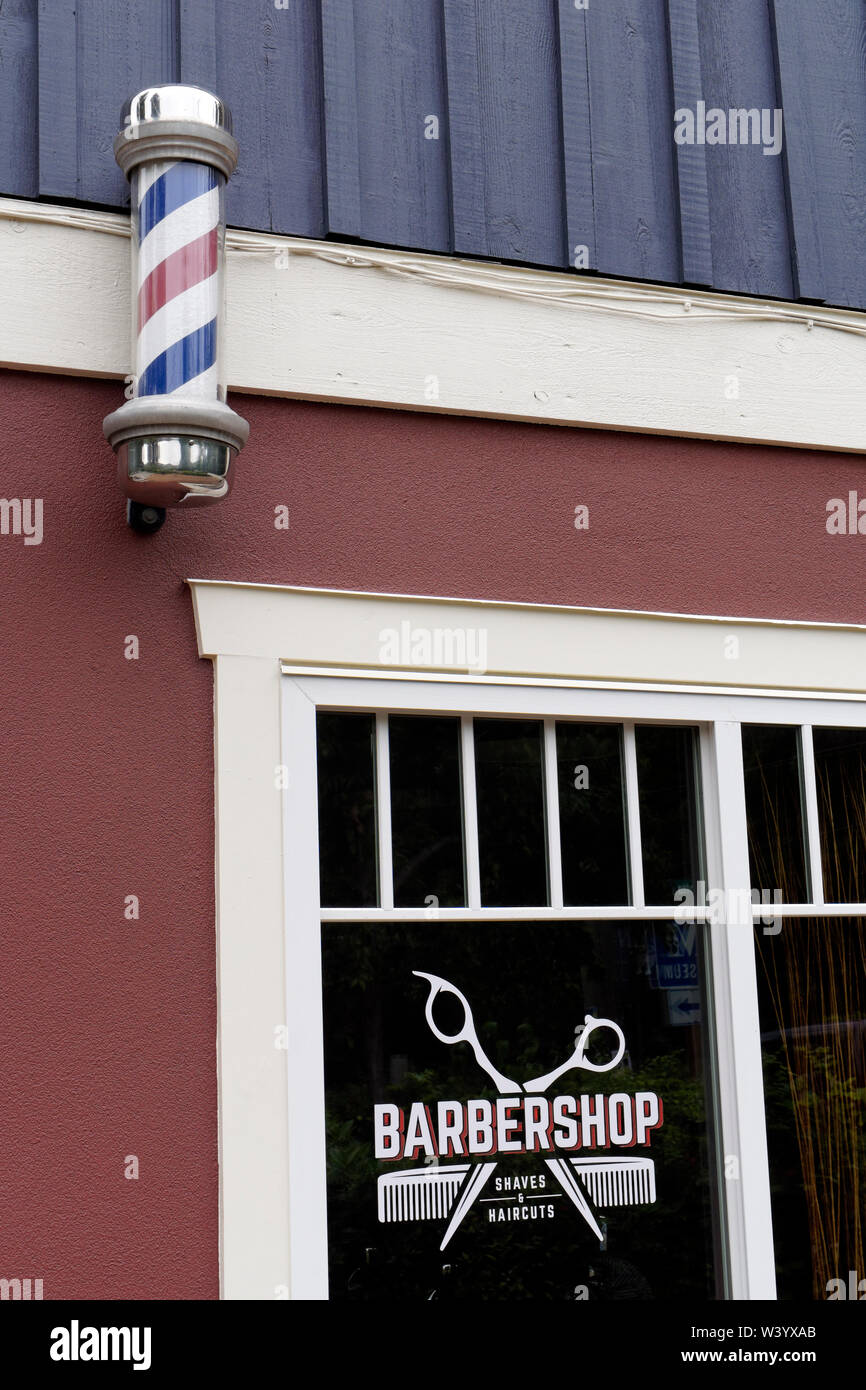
807 833
718 854
491 844
446 1176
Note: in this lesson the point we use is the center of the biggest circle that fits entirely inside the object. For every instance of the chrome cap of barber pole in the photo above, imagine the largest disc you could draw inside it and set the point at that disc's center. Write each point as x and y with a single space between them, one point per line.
176 123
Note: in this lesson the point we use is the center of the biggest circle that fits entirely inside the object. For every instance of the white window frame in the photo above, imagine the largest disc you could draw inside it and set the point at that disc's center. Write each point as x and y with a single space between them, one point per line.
279 653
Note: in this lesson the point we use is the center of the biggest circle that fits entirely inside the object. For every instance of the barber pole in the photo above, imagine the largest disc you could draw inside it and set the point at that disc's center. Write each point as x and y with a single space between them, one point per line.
176 437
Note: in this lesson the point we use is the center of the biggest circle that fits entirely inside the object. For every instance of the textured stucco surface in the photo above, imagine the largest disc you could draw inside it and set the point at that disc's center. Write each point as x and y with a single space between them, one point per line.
106 774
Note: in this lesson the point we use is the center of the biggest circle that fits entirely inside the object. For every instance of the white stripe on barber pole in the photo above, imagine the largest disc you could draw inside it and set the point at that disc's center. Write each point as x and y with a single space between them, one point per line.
184 314
179 228
202 387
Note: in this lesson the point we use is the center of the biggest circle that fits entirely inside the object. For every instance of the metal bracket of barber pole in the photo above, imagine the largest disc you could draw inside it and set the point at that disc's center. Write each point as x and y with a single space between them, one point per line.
176 437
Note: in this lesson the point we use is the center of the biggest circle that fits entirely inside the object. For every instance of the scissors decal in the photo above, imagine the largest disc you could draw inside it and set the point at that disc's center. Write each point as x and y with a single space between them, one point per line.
466 1034
577 1059
477 1177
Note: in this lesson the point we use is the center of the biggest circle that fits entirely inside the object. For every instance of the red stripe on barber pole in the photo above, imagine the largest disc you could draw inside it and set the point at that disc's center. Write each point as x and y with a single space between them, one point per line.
186 267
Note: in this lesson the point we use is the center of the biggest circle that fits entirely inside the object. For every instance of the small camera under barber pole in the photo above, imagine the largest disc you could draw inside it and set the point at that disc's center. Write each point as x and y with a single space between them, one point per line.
176 438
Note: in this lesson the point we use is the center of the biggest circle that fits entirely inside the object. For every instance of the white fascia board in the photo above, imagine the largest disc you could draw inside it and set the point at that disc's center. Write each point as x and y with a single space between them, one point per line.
359 325
391 633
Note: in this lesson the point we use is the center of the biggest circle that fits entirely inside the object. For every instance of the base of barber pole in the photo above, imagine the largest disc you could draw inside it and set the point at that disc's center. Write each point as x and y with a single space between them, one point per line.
173 452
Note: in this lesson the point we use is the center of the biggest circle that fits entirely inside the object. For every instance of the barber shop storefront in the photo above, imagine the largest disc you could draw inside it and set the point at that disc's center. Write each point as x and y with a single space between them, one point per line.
434 813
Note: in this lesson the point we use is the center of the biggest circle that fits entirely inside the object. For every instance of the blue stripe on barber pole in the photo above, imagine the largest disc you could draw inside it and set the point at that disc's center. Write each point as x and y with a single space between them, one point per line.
178 185
180 362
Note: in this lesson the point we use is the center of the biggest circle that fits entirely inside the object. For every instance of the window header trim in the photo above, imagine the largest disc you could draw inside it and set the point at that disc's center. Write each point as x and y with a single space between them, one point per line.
326 631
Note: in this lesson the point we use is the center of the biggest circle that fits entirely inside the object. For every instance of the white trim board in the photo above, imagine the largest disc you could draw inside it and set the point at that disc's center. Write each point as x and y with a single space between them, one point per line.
408 330
333 629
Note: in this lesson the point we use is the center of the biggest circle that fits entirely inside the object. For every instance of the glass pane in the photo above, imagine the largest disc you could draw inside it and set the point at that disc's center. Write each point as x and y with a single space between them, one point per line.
774 808
840 771
426 811
592 814
812 997
500 1167
667 765
509 782
347 809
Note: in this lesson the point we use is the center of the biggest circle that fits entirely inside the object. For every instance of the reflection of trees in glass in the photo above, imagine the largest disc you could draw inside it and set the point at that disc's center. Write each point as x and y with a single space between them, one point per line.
814 1040
528 984
840 769
777 836
814 975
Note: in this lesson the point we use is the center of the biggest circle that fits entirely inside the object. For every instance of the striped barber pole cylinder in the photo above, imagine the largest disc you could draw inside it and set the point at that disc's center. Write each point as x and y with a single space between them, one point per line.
178 280
176 438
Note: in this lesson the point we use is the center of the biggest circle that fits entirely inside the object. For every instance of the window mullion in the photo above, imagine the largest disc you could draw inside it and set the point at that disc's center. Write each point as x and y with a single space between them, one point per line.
551 795
383 813
470 812
635 849
813 832
735 989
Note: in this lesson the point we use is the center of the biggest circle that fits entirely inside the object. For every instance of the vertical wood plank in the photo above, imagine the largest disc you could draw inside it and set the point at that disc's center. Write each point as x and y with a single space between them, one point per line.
402 123
751 249
197 42
691 160
18 99
341 117
506 130
122 47
94 55
634 178
576 136
269 70
821 62
57 46
387 122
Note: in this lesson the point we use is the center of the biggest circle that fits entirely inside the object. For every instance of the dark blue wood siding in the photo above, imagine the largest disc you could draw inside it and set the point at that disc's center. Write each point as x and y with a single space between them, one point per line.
631 135
534 131
692 174
507 178
821 58
93 55
268 67
19 79
387 122
751 249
